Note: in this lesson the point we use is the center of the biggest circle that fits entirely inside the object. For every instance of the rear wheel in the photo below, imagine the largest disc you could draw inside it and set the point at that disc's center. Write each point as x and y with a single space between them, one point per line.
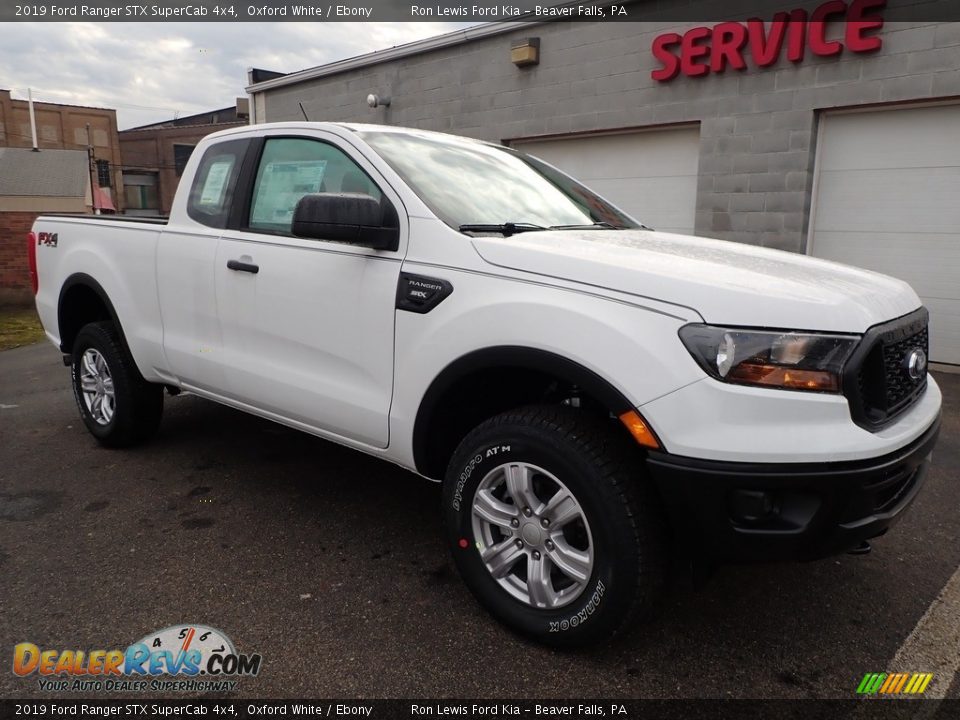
553 527
117 405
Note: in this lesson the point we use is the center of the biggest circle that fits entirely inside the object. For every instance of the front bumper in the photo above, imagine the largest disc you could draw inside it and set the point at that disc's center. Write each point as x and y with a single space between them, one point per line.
736 512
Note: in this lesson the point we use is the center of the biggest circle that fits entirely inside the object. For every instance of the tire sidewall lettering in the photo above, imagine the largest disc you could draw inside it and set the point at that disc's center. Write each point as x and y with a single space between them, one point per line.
584 614
496 452
464 476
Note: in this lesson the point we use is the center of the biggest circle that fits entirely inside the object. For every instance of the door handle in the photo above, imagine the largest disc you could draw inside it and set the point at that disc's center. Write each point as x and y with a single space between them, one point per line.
243 266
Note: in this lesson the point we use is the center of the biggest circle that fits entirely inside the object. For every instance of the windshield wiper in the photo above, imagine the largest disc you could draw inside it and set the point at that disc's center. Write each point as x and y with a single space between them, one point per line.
601 225
506 229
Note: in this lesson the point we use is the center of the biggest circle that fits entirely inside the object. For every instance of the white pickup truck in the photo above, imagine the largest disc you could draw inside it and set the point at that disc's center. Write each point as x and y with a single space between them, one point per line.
592 394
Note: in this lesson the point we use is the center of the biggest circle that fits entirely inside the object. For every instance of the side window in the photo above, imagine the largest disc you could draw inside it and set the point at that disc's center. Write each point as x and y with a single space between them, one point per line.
212 191
293 167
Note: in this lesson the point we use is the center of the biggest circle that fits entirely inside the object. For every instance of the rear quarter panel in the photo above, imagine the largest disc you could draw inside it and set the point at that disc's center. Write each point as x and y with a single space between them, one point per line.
121 258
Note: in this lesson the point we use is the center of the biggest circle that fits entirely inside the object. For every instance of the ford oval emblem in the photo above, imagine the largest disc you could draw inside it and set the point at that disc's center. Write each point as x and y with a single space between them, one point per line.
915 364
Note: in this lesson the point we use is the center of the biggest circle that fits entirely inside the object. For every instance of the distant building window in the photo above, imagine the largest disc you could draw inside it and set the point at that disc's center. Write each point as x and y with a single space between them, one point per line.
140 193
181 153
103 173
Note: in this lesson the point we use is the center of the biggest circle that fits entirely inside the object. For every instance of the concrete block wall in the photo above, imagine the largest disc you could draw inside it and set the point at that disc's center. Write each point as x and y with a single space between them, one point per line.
757 127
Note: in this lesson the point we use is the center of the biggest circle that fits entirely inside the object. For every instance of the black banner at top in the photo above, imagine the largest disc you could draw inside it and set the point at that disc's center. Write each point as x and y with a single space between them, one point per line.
232 708
465 11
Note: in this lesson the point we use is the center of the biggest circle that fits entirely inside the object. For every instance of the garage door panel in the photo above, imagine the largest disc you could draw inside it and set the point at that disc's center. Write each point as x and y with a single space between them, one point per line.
616 163
923 200
651 175
888 199
922 137
667 199
944 330
662 152
887 253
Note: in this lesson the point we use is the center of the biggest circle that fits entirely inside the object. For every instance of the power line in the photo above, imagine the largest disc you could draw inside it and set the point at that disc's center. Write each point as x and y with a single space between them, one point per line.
81 146
122 166
121 105
40 139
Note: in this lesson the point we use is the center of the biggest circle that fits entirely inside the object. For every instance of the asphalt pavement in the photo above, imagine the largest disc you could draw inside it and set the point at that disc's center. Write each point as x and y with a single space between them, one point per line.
329 564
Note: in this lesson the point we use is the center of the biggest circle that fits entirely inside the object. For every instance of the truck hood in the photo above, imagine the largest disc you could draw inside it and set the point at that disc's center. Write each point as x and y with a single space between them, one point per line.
727 283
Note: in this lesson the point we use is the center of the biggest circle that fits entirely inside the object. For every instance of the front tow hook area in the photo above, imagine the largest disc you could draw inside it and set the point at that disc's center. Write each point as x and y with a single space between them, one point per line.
863 548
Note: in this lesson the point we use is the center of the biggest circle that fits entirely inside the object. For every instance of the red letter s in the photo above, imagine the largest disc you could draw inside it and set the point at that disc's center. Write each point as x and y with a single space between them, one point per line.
670 62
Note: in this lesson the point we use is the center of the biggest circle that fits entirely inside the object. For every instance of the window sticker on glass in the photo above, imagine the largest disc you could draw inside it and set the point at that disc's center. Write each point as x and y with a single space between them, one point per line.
216 182
282 184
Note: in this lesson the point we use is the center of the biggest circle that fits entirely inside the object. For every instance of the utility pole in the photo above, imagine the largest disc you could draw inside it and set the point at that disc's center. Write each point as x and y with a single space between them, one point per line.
91 161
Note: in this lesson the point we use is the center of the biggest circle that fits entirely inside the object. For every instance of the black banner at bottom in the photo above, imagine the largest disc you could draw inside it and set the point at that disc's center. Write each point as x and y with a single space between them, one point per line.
863 709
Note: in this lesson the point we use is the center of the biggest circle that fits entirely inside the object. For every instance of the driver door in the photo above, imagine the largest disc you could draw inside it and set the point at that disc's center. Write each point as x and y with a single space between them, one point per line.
308 325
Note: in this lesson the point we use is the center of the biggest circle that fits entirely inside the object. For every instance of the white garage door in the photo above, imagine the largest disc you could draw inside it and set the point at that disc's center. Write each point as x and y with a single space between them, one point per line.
888 199
652 175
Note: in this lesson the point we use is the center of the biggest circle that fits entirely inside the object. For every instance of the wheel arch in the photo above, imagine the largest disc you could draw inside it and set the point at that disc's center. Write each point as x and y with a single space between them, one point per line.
82 300
503 377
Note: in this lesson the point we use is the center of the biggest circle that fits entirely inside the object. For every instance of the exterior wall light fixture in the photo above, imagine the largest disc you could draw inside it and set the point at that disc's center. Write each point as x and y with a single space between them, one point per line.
525 52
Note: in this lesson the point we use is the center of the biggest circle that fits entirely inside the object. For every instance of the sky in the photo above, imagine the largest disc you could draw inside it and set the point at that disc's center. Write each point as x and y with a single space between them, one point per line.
151 72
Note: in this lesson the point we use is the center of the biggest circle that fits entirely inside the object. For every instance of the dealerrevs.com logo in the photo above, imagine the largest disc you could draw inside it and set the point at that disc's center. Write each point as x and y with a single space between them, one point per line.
179 658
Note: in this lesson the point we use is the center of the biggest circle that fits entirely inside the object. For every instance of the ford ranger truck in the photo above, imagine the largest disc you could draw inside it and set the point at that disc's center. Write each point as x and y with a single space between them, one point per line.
592 394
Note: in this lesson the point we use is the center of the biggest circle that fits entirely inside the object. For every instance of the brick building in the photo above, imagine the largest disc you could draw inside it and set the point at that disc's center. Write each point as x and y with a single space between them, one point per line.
836 139
57 178
69 127
154 156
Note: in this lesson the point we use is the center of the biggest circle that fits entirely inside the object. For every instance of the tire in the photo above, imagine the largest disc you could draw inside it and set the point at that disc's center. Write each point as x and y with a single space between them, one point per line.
617 541
101 361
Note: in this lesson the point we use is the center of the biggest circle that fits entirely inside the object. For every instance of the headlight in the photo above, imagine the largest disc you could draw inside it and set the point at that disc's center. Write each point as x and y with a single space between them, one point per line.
792 360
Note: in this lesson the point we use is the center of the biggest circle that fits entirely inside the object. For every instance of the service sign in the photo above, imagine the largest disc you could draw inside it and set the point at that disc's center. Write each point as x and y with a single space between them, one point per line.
828 30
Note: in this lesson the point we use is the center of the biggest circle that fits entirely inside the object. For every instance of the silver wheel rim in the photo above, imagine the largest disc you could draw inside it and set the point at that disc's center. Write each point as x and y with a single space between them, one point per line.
533 535
96 386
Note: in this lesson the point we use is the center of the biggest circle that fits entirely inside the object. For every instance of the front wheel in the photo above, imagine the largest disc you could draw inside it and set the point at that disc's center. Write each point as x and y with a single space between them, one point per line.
117 405
553 527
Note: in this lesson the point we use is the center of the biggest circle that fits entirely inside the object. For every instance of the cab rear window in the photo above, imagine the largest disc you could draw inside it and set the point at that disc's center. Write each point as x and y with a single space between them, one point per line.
214 181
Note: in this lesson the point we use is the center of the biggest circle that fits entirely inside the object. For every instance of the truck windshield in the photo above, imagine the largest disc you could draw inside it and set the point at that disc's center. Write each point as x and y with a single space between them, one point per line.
477 187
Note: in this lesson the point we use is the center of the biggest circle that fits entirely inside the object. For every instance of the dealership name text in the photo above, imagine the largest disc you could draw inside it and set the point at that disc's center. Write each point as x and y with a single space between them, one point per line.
494 11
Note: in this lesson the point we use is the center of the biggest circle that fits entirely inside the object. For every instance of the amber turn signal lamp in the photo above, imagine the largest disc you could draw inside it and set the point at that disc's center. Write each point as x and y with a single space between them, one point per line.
785 377
638 428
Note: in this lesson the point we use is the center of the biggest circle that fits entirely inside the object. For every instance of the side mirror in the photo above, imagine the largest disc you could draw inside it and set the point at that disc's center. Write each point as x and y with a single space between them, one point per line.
354 218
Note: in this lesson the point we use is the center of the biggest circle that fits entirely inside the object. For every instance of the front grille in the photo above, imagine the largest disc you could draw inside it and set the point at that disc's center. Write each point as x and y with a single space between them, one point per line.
899 386
882 387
